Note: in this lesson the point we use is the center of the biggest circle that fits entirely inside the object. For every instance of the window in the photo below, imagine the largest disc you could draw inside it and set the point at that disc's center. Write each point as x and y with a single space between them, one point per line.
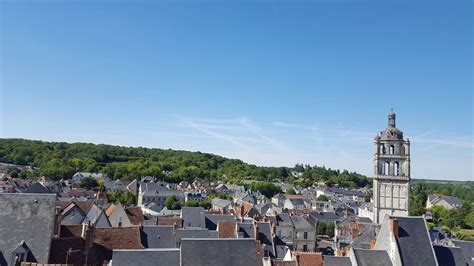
396 168
386 168
305 248
305 235
392 149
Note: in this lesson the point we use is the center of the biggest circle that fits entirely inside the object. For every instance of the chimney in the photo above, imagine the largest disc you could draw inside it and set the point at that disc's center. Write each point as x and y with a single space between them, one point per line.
242 210
57 221
394 227
275 213
256 232
372 244
334 210
274 229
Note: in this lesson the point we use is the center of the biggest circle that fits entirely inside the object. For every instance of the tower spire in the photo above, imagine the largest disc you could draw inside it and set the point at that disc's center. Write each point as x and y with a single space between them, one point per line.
391 118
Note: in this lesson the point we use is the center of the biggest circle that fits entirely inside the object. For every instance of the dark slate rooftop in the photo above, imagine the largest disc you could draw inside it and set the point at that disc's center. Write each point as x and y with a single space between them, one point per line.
300 222
193 217
467 249
336 261
157 236
246 230
369 257
212 219
126 257
283 219
210 252
413 235
449 255
20 213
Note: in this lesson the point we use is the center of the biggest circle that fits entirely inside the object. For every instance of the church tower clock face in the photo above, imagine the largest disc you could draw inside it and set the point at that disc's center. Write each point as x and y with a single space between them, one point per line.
391 172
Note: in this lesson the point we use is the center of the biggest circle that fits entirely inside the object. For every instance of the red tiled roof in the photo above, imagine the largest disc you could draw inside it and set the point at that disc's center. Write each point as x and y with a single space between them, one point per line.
135 215
309 259
170 221
227 229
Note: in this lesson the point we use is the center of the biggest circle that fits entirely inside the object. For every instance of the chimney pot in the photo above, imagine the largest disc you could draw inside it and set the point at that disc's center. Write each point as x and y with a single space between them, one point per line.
372 244
394 227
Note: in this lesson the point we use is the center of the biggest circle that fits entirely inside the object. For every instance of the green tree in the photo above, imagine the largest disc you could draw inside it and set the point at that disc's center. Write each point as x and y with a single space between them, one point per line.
172 203
191 203
291 191
322 198
89 183
266 188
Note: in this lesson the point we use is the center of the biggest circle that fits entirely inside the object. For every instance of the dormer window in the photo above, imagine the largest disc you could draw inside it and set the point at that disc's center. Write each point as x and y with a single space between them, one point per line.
20 253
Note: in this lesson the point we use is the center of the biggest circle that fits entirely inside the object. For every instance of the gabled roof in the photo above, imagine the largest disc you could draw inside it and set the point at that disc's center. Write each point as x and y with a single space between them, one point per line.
20 213
467 248
370 257
283 219
413 235
135 215
212 220
204 252
221 203
153 236
309 259
126 257
299 222
36 188
449 255
193 217
247 230
227 229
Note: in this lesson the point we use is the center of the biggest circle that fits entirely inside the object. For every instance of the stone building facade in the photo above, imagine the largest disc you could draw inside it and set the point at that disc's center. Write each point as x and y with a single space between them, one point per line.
391 183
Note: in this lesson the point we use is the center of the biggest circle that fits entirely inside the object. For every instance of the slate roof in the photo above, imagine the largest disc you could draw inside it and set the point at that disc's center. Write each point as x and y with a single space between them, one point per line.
325 217
153 236
126 257
221 203
193 217
300 223
246 230
336 261
19 214
36 188
194 233
450 255
369 257
212 219
210 252
413 235
467 249
283 219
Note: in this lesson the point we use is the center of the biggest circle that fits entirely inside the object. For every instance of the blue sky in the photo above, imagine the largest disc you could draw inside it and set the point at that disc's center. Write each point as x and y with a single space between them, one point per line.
268 82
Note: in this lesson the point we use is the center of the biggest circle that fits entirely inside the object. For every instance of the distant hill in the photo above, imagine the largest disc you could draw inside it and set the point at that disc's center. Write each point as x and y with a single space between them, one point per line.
61 160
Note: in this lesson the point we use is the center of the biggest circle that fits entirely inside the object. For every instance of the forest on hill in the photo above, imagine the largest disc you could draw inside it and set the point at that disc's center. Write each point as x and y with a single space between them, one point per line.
61 160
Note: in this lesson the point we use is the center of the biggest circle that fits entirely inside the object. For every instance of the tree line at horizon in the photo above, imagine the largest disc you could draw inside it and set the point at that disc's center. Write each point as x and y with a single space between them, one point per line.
60 160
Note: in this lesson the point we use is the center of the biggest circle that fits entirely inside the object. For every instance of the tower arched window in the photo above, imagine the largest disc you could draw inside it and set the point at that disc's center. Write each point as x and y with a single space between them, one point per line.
391 150
382 149
386 168
396 169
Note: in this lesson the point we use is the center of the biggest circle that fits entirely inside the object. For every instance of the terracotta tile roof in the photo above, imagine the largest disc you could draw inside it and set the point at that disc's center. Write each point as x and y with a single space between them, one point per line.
135 215
227 229
170 221
71 230
309 258
110 210
119 237
85 205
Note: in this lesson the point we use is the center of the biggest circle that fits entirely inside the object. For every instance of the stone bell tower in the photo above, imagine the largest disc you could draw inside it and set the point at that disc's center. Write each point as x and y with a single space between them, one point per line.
391 172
